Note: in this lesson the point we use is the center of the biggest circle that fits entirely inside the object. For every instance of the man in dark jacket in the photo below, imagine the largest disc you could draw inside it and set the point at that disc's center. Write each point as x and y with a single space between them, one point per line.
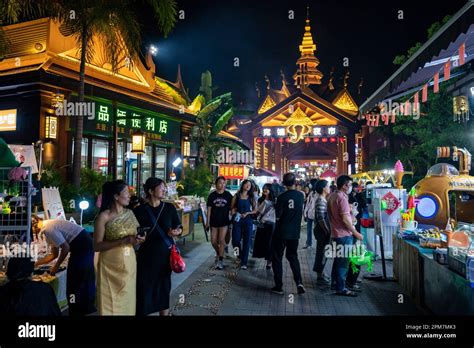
289 212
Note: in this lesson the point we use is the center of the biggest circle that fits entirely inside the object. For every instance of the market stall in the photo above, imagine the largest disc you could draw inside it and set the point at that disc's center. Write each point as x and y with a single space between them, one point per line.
187 207
434 255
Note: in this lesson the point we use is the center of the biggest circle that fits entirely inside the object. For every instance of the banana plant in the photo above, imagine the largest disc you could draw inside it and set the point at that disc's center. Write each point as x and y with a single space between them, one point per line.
210 121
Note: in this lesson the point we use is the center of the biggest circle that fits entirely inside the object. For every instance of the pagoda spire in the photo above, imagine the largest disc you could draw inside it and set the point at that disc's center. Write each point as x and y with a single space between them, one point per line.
307 72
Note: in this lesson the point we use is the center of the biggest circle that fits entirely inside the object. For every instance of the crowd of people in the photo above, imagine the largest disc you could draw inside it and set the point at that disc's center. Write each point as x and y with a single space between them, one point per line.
273 222
132 273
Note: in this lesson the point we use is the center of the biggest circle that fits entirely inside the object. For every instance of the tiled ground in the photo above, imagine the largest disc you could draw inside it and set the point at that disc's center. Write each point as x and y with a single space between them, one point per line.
205 291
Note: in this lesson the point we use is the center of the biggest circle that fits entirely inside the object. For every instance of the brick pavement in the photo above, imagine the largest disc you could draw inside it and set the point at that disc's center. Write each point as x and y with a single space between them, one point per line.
207 291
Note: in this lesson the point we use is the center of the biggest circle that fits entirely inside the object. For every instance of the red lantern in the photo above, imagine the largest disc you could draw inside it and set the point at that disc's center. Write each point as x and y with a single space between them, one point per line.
273 140
316 140
307 140
324 140
332 140
287 140
342 140
265 140
280 140
259 140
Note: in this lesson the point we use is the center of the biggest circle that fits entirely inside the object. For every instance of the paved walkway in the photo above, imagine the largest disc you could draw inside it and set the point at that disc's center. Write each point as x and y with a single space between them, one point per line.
202 290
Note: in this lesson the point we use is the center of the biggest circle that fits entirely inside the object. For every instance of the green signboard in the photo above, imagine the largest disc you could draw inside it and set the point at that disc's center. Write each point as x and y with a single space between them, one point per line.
157 127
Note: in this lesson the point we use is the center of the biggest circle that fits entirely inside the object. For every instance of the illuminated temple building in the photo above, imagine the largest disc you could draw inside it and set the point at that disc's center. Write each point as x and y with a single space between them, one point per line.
310 123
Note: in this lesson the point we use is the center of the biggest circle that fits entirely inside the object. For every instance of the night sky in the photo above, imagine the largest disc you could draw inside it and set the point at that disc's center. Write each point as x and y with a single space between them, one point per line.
265 40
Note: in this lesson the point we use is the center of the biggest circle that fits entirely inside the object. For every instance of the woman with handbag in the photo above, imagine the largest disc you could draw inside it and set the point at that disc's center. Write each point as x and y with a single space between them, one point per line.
162 223
243 207
265 225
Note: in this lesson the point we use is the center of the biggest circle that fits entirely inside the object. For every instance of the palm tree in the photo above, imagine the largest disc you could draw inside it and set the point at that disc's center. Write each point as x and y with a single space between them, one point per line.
113 23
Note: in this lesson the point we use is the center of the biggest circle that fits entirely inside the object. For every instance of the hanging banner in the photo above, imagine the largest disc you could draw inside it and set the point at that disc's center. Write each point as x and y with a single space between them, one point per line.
424 94
447 70
462 50
436 83
25 154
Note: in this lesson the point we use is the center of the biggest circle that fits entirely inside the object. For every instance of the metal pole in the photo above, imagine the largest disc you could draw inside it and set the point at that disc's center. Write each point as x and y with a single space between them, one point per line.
139 173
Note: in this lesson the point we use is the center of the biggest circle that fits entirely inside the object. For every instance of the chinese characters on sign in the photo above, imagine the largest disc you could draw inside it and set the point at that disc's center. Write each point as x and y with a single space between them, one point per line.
392 203
156 127
232 172
316 131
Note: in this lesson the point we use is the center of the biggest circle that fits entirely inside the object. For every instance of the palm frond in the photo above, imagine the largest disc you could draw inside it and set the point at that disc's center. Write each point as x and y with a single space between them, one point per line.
165 13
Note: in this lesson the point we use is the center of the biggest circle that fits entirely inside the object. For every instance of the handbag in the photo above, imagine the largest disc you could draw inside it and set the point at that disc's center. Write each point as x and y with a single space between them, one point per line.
258 222
177 263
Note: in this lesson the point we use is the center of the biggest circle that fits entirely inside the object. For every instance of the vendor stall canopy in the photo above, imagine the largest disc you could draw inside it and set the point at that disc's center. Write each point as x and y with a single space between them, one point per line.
429 58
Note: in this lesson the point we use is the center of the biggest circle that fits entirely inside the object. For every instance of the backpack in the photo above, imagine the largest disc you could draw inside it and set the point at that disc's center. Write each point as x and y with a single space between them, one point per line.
311 205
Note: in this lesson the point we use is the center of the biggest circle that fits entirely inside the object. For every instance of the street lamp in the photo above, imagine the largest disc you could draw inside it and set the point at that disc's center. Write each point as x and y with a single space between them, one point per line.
175 163
83 205
153 50
138 147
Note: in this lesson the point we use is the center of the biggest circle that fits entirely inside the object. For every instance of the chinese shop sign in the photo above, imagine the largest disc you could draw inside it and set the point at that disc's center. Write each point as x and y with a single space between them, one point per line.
233 172
156 128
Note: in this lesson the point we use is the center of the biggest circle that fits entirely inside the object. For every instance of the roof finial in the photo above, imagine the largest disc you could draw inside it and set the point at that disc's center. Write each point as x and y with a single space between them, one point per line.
257 89
267 80
307 13
346 78
283 77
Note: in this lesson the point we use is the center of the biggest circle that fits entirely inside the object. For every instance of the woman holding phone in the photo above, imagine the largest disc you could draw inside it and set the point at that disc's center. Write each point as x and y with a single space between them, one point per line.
153 259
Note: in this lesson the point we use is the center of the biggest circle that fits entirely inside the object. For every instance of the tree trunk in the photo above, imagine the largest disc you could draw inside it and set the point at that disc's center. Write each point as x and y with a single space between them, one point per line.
76 162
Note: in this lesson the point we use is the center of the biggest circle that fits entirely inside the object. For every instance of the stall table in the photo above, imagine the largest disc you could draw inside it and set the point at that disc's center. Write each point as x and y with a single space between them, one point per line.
428 282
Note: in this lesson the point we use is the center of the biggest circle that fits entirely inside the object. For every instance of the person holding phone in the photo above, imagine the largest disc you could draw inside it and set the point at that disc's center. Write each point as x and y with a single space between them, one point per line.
153 259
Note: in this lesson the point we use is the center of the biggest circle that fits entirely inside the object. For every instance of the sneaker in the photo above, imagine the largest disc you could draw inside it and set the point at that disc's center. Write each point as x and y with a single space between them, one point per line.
323 280
355 288
277 290
220 265
301 290
243 267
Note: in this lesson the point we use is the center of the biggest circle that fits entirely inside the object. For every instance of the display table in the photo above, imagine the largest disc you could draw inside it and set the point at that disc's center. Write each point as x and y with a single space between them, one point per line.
187 220
429 283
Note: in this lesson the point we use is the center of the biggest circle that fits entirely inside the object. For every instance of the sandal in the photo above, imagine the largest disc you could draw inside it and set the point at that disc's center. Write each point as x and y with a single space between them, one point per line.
347 293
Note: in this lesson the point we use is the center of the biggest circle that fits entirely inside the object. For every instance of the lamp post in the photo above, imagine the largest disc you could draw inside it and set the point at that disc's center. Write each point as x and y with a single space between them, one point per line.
83 205
138 147
175 163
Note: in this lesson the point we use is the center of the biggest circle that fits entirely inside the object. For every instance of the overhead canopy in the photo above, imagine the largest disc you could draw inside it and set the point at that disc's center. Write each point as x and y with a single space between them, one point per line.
328 174
421 67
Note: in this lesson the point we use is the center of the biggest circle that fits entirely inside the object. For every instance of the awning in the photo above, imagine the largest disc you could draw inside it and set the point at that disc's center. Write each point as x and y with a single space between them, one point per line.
427 60
328 174
264 172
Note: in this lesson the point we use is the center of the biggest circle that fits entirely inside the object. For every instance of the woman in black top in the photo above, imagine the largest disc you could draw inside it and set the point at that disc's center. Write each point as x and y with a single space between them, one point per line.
153 259
218 209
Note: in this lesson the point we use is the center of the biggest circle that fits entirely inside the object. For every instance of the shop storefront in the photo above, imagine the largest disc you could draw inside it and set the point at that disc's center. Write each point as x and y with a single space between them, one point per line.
163 139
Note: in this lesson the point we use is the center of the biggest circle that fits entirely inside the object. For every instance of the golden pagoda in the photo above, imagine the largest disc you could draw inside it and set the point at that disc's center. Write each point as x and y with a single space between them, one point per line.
307 72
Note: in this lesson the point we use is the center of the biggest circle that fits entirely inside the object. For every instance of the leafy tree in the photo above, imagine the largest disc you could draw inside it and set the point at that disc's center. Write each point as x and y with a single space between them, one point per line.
196 181
401 59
